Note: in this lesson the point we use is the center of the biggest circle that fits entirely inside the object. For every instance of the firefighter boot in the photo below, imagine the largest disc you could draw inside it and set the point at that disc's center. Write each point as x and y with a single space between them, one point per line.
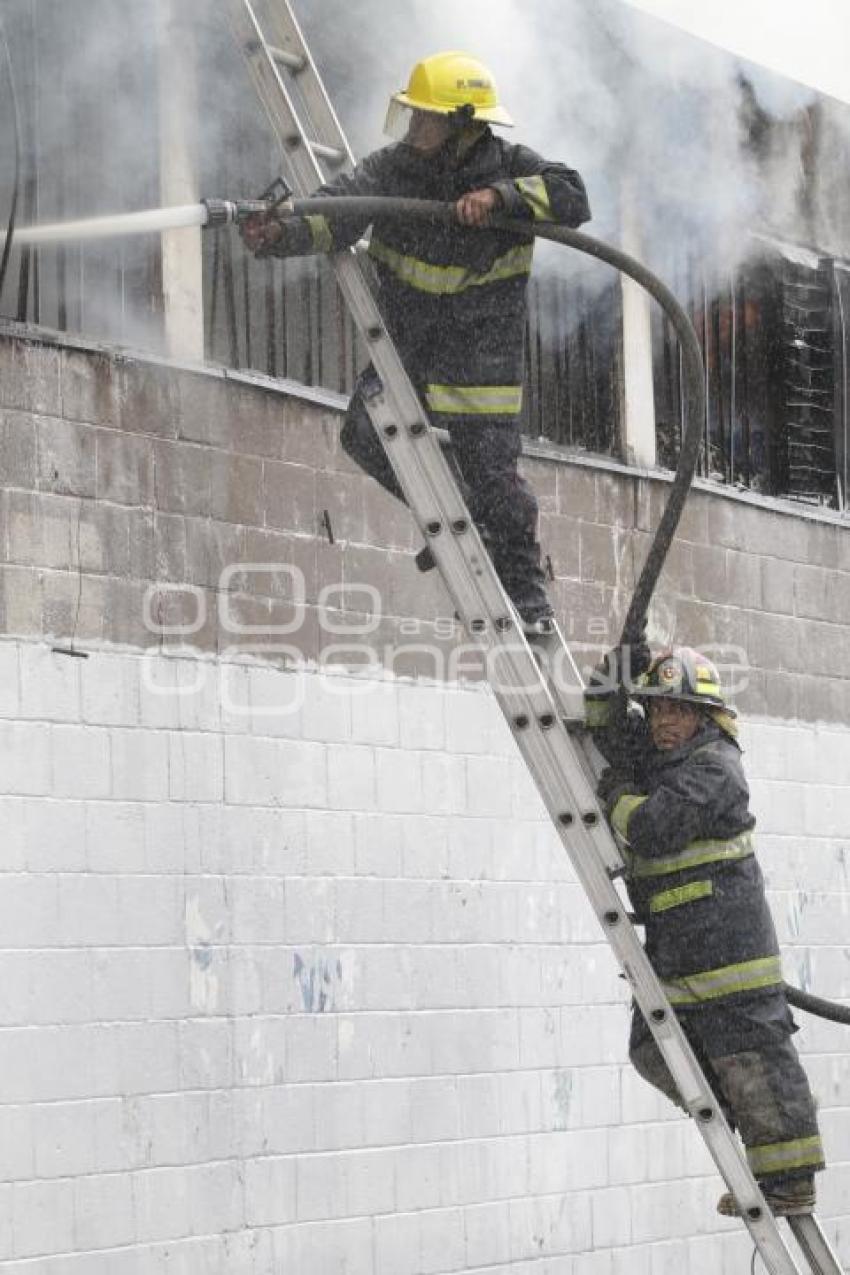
786 1197
535 611
519 569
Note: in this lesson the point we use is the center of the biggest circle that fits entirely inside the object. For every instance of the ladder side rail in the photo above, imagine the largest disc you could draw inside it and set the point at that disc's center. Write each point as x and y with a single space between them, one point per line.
524 696
815 1246
303 166
548 751
567 690
281 24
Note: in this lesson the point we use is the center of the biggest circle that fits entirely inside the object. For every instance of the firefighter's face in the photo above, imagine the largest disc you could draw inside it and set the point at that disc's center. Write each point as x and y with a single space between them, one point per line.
672 722
427 132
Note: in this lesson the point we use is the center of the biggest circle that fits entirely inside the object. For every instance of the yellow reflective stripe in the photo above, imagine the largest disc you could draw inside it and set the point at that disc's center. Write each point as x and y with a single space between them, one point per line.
691 989
707 688
447 280
535 194
597 711
777 1157
320 229
474 400
694 855
623 811
681 894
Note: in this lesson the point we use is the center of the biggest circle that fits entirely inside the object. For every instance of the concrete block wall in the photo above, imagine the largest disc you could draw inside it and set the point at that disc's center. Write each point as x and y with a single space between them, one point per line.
356 1019
142 503
338 1004
296 975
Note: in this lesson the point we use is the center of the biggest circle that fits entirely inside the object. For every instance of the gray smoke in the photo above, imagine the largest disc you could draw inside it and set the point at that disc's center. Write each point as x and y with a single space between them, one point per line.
644 111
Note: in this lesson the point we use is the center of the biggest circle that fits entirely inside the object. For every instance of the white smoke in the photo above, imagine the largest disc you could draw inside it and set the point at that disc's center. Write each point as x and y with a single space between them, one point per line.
643 111
631 102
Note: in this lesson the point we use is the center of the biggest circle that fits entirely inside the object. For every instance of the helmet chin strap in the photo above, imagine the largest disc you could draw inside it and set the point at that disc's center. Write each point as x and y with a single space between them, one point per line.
461 117
465 130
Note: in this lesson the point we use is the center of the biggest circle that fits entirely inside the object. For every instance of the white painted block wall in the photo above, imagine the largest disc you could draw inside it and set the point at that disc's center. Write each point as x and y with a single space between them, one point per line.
295 977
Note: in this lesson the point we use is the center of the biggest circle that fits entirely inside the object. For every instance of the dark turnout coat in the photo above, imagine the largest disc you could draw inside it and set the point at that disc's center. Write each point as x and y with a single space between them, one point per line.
692 876
695 885
453 296
694 880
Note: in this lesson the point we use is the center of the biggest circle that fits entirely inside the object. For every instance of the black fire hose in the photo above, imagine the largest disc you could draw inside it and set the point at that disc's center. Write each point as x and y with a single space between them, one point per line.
16 132
694 407
816 1005
694 410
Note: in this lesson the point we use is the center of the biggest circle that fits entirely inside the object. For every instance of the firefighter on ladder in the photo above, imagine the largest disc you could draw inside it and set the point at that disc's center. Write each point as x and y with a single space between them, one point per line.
453 296
678 800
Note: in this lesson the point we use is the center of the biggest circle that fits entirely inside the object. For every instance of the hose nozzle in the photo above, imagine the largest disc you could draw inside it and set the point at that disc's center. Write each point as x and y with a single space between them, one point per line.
223 212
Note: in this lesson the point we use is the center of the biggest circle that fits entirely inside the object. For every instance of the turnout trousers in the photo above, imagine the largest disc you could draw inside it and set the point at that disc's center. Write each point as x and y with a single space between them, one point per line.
747 1055
485 452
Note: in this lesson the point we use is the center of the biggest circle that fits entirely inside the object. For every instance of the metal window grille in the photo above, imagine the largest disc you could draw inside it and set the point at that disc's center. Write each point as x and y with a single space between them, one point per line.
775 344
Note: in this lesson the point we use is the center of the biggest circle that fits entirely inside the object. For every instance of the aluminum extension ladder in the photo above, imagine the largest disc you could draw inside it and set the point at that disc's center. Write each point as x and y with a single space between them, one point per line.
536 682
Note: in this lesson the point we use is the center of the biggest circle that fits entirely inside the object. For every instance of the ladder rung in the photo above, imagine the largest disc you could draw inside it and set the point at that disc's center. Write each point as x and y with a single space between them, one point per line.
295 61
330 153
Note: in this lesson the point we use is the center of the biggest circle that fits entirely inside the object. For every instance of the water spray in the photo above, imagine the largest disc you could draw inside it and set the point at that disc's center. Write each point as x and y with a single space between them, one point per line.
209 214
16 134
154 219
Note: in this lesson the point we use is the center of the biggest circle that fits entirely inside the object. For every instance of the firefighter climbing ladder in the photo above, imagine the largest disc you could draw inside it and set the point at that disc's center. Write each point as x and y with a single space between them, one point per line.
538 688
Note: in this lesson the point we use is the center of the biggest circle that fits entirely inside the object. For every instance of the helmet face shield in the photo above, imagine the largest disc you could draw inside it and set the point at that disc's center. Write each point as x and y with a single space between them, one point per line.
398 121
423 130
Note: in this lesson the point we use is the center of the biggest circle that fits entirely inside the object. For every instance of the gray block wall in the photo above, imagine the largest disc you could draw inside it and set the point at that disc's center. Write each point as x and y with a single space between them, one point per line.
296 975
125 481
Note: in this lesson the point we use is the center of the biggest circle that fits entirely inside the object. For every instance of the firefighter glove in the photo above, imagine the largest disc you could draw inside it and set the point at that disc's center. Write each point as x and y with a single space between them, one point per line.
622 666
604 679
613 784
266 235
634 656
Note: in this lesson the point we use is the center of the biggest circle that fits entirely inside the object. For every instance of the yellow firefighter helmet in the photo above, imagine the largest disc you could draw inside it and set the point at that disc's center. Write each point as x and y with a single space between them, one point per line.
446 84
